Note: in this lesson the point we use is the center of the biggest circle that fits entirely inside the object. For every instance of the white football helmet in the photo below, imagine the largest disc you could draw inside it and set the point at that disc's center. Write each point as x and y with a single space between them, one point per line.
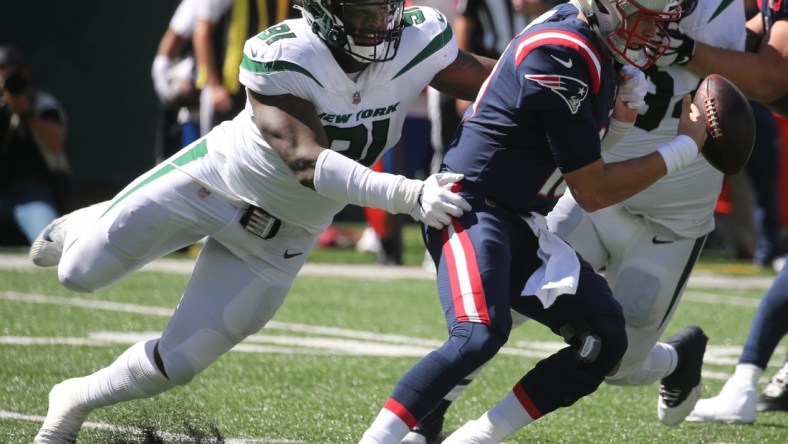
608 19
368 30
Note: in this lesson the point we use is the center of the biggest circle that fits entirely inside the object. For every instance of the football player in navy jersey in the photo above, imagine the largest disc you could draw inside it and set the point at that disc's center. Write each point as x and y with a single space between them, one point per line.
761 75
534 130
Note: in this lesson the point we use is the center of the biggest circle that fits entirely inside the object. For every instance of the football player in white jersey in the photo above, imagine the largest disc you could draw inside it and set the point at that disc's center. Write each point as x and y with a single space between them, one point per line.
649 243
327 96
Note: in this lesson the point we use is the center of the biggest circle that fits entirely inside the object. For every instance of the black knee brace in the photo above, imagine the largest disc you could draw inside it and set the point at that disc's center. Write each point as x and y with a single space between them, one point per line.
599 343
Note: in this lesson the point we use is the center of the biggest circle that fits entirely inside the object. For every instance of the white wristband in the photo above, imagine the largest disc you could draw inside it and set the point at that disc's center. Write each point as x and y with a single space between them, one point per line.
345 180
678 153
615 131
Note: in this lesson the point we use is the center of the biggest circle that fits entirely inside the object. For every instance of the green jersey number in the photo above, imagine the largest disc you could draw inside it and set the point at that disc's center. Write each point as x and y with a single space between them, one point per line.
274 33
354 142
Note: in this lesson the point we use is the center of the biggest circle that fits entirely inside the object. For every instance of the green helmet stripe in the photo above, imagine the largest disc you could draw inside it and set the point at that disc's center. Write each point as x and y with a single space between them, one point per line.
275 66
433 47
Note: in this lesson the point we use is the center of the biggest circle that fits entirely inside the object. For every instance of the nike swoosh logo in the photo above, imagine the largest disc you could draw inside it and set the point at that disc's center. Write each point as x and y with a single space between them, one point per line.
657 241
288 255
567 63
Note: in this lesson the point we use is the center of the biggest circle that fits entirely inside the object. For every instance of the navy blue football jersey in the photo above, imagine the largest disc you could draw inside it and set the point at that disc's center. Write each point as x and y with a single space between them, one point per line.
541 113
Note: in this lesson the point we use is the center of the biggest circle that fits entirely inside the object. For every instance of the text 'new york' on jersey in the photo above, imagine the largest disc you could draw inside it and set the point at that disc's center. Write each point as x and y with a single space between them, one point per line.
541 113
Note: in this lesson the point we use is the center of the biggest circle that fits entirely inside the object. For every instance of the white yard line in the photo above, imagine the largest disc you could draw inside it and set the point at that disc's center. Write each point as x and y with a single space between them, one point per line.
379 272
4 414
314 339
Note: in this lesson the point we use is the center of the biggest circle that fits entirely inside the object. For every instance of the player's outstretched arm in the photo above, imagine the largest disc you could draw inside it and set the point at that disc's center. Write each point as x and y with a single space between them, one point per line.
599 184
464 76
292 128
760 75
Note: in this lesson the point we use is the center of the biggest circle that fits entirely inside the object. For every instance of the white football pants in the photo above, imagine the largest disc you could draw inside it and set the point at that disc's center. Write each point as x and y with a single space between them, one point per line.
239 280
646 265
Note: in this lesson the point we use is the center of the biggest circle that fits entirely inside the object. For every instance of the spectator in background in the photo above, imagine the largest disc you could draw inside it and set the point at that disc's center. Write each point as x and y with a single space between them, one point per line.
222 28
35 179
173 80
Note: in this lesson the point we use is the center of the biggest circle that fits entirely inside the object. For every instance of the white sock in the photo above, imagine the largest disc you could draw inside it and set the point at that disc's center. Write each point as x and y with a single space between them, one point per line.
507 417
132 376
749 373
660 362
387 428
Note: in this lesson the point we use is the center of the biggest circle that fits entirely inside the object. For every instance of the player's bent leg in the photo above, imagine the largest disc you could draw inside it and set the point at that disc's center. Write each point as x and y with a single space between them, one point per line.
133 232
224 302
428 430
420 390
555 382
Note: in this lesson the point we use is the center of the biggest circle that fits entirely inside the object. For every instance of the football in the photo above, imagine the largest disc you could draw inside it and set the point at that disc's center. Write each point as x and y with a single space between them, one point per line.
729 122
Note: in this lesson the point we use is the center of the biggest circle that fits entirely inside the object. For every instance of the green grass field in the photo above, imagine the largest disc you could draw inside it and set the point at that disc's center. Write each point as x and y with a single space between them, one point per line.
321 370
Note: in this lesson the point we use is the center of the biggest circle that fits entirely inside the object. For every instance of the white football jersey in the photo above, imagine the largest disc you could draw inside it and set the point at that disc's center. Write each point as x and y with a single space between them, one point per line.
683 201
362 118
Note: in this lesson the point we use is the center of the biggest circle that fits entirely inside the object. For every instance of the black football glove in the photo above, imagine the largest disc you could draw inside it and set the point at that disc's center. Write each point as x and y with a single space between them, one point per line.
681 50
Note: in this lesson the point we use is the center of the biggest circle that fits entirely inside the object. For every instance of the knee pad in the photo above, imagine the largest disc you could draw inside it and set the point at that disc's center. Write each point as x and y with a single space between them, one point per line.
641 289
599 343
476 343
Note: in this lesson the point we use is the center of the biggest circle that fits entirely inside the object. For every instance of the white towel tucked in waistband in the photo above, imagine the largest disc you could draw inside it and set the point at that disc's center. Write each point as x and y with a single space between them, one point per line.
560 270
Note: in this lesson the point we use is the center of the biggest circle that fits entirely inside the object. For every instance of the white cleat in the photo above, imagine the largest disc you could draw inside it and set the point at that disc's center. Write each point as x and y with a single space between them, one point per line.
734 405
47 248
674 415
65 415
471 433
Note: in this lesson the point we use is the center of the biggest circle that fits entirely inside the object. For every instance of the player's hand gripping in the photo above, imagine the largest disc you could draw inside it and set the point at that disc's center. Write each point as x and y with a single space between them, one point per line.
437 204
692 123
632 89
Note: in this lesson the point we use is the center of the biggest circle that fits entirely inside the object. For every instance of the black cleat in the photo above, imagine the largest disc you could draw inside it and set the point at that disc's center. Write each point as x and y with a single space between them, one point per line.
681 389
775 396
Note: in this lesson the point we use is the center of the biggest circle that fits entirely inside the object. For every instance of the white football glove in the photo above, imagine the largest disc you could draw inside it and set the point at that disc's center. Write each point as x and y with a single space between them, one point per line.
437 205
161 79
632 87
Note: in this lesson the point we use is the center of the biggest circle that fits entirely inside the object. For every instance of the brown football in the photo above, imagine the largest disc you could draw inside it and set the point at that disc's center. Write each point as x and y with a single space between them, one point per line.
729 122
